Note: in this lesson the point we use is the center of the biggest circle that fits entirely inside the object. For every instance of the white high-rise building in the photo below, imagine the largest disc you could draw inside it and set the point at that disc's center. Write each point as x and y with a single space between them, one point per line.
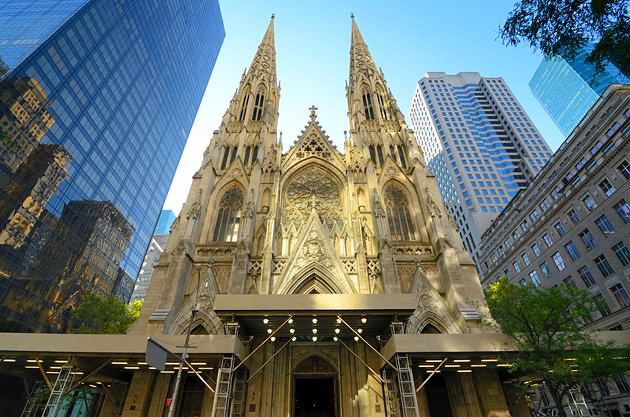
480 144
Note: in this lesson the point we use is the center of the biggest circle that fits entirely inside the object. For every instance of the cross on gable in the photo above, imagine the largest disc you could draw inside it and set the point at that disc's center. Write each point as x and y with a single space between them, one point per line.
313 110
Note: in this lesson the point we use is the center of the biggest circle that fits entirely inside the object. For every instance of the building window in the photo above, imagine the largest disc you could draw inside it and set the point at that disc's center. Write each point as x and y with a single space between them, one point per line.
560 228
372 153
622 383
601 304
545 269
575 218
620 294
243 113
258 107
622 253
587 239
379 153
589 202
569 282
535 279
536 249
517 266
534 215
586 276
522 282
367 106
234 152
547 239
557 259
229 216
623 210
605 225
624 169
400 223
403 157
248 150
382 106
607 187
572 250
226 155
603 265
525 257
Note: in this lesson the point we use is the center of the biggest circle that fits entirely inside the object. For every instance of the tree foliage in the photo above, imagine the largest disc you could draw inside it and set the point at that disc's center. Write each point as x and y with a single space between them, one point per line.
103 314
564 27
547 324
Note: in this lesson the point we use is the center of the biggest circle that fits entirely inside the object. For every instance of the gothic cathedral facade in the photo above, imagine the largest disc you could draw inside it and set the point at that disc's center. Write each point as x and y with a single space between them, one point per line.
311 222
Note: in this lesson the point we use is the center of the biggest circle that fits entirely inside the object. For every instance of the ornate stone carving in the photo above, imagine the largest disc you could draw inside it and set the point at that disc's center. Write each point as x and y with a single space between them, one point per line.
311 189
313 251
193 211
434 210
417 250
314 145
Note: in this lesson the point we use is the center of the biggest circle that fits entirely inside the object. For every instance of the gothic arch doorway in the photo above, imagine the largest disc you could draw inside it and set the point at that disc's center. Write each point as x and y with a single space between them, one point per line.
315 388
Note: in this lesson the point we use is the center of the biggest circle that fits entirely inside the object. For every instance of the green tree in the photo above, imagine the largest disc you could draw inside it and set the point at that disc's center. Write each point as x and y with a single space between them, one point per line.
566 26
102 314
548 326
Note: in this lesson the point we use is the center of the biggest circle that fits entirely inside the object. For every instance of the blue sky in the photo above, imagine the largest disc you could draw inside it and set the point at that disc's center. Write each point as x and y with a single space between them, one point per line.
406 39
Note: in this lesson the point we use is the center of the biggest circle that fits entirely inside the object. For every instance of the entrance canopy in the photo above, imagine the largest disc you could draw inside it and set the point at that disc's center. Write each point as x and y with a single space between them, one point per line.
259 315
106 358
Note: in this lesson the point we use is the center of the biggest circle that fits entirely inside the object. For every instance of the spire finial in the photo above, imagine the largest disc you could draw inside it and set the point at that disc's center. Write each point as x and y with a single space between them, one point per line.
313 110
351 15
273 16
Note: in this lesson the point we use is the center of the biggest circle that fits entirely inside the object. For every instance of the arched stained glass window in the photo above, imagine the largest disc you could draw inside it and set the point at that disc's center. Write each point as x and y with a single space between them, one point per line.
229 216
400 222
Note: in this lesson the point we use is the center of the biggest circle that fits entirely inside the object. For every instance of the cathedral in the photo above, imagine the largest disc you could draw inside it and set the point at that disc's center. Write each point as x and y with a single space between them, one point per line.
340 273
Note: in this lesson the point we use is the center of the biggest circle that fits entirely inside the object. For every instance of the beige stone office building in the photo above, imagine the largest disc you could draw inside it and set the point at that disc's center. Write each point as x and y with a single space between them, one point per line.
572 225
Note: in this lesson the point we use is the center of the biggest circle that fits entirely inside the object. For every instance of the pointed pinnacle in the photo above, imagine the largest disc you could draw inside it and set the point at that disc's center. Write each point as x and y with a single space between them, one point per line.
268 39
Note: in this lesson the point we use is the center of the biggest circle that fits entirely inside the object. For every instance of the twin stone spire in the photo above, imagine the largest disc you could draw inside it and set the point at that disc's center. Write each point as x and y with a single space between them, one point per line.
371 106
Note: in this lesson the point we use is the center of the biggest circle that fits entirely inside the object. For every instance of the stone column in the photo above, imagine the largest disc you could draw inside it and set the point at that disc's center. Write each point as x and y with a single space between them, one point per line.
490 392
139 394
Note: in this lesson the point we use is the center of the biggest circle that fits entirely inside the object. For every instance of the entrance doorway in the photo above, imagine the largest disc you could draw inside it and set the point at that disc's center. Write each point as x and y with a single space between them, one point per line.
314 388
314 397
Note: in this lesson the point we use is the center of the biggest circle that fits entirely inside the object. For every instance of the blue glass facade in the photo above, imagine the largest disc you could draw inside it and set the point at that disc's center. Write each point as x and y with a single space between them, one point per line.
568 88
163 227
25 24
93 123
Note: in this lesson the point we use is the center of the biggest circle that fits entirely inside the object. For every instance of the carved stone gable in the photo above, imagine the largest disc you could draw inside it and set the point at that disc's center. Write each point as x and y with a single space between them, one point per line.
314 255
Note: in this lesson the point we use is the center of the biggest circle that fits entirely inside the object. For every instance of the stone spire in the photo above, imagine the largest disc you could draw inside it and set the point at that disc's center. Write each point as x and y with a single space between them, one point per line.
376 123
370 103
255 102
361 62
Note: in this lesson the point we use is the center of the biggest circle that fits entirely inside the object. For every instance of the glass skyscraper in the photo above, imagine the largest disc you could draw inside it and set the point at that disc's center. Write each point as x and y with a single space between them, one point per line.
479 143
163 227
94 115
568 88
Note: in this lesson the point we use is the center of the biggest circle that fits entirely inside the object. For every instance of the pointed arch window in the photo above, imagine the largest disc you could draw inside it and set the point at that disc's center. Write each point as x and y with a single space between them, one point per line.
367 106
226 154
382 106
403 158
255 155
248 150
392 152
258 106
372 154
244 103
229 216
400 223
379 153
234 152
